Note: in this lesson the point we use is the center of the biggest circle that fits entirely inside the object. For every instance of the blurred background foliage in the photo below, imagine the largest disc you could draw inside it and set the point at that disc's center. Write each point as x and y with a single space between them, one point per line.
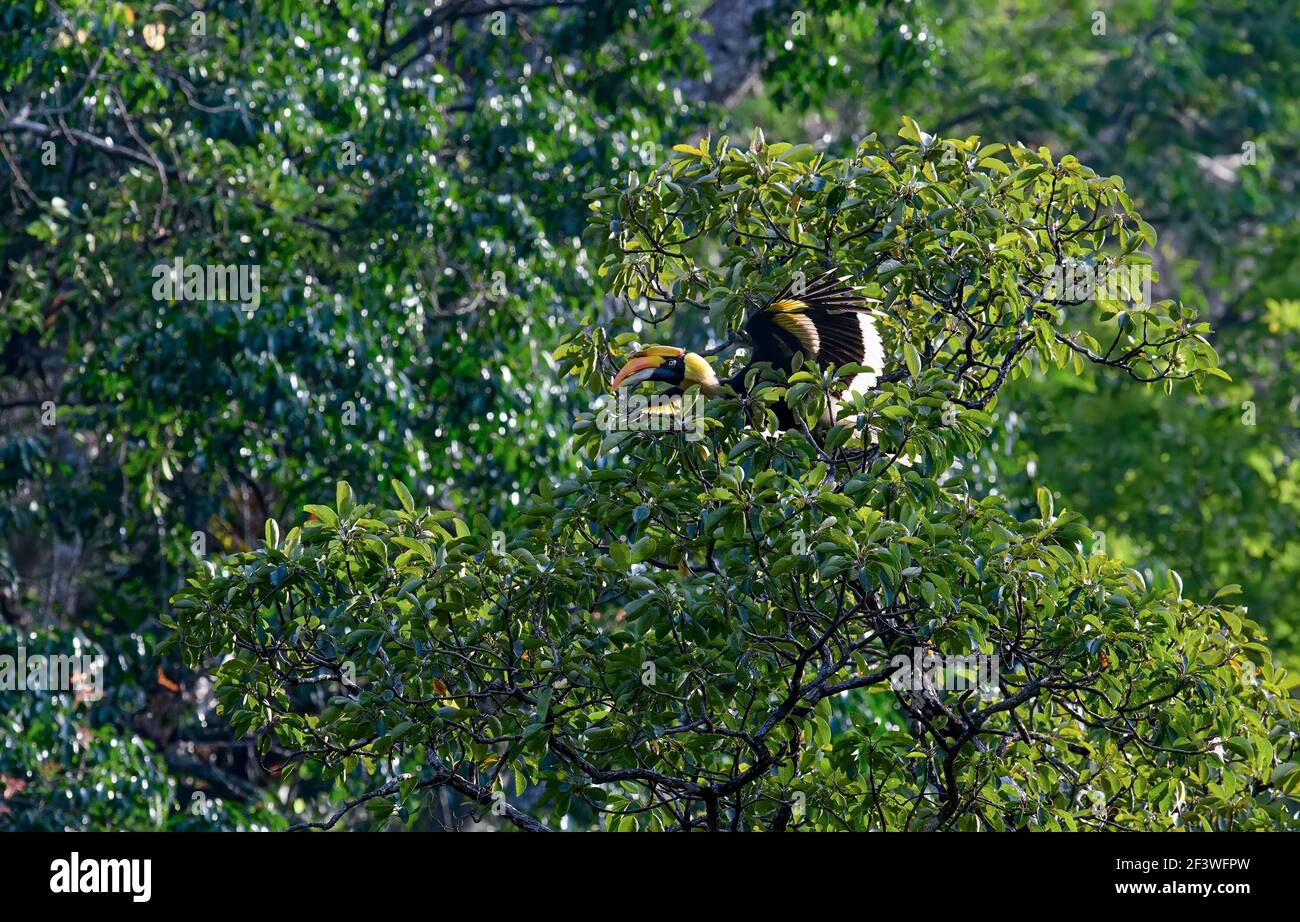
410 182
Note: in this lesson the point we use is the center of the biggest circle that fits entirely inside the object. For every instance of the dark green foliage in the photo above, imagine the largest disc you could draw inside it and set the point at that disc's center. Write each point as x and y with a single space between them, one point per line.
417 191
703 634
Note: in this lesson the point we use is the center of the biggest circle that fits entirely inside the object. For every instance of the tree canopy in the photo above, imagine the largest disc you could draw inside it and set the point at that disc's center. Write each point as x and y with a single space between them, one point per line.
655 651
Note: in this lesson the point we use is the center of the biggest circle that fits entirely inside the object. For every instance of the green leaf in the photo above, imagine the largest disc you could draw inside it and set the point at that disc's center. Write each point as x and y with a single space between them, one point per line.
324 513
403 495
912 358
343 497
1045 506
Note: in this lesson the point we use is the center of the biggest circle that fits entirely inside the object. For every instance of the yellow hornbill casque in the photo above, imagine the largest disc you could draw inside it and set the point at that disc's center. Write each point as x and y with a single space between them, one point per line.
829 323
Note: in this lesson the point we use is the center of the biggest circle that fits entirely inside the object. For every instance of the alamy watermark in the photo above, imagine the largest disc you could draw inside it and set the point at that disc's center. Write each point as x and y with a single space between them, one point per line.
78 672
1082 282
75 874
654 413
926 670
182 281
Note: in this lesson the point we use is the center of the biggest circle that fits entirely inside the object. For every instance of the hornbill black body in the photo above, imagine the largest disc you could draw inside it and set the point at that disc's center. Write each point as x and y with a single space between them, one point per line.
828 322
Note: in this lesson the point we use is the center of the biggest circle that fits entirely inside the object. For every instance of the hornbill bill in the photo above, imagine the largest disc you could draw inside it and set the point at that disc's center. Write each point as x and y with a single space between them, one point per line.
829 323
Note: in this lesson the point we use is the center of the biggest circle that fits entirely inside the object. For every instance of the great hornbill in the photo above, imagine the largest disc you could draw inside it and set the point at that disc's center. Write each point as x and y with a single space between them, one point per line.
829 323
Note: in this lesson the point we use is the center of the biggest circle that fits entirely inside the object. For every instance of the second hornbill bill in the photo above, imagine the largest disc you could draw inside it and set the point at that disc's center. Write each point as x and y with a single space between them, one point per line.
829 323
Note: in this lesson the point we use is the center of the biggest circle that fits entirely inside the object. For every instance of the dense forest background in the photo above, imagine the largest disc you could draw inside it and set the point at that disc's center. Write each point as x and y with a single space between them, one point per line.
411 182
